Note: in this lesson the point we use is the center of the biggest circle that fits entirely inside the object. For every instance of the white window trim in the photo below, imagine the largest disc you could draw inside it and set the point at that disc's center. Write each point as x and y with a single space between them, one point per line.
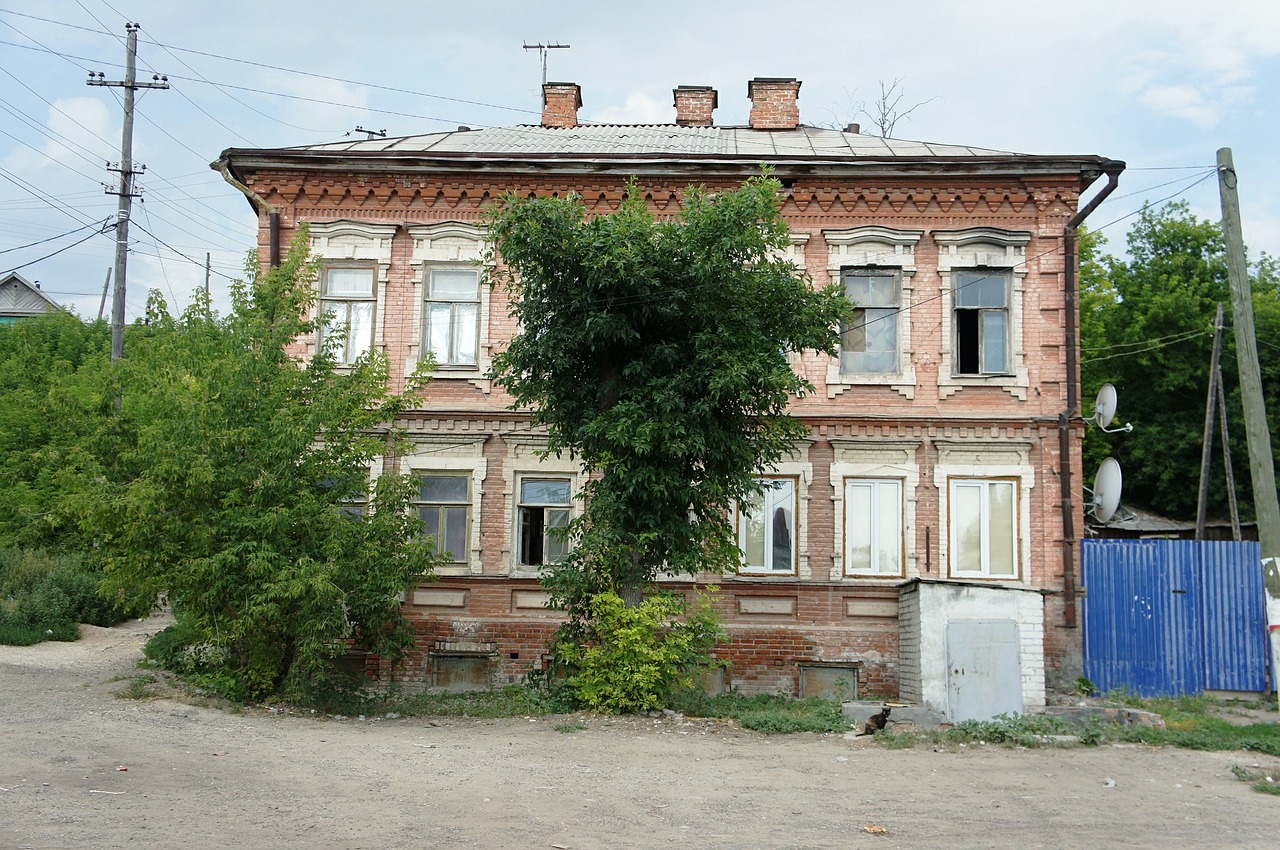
355 243
876 248
875 459
984 248
803 474
450 244
522 462
960 459
452 455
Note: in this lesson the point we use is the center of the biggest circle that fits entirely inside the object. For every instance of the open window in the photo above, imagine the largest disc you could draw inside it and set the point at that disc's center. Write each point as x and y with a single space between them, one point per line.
542 513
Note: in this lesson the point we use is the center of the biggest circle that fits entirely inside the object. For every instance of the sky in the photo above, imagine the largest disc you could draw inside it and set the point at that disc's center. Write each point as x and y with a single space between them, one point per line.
1161 85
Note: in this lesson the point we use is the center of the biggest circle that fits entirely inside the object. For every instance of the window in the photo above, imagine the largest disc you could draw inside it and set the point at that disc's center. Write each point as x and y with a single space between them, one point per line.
983 528
767 528
346 305
981 300
444 503
870 342
543 508
873 526
452 316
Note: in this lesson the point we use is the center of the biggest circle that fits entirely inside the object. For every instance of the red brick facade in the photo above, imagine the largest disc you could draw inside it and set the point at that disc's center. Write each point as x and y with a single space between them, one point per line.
927 425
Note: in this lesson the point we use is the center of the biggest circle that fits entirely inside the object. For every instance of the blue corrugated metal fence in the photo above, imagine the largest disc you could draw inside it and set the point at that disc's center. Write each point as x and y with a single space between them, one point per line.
1171 617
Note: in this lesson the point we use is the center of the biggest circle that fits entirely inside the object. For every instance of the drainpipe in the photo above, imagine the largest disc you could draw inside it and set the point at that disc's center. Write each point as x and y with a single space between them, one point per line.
1112 169
259 204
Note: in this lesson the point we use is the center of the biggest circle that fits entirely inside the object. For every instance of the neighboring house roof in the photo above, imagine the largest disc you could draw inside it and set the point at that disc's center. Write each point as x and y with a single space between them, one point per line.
20 297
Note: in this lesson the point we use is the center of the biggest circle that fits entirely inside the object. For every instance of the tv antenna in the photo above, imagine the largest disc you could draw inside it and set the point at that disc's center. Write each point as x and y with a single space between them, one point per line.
381 134
542 50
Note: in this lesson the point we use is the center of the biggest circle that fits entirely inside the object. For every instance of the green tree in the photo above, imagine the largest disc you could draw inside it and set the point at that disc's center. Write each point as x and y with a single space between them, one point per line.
657 353
233 481
45 411
1146 327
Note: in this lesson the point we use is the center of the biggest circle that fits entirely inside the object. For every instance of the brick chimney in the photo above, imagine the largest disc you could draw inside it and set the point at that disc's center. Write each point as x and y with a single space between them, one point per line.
560 104
773 103
694 105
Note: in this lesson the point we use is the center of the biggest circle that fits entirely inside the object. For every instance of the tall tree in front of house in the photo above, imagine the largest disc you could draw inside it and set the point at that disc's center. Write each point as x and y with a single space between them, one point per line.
235 480
1146 327
657 352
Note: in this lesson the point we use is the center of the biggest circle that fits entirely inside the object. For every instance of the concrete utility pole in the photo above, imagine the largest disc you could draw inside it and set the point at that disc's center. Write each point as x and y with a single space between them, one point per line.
125 192
1261 462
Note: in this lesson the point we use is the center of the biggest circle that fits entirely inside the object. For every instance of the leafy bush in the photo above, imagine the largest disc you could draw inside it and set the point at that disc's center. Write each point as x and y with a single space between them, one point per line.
635 658
45 596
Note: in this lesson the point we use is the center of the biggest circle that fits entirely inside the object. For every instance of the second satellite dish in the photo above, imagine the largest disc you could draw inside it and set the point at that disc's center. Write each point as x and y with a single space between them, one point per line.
1104 409
1106 490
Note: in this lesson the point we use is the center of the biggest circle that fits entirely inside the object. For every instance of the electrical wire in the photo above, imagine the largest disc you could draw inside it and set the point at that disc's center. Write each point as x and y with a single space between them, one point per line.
103 229
50 239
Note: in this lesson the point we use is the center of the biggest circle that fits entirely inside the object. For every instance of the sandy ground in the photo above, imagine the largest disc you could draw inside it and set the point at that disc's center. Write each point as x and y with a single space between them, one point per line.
81 768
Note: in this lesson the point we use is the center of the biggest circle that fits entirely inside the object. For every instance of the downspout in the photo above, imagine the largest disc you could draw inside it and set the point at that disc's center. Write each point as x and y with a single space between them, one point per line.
259 205
1112 169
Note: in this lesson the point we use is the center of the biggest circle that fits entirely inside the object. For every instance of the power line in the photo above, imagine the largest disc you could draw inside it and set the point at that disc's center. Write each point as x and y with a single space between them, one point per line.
104 228
50 239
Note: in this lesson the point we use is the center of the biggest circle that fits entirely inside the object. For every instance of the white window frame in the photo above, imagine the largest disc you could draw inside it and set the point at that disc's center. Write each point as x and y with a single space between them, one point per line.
454 359
334 312
451 245
887 497
345 243
877 249
768 543
983 487
459 559
976 249
521 506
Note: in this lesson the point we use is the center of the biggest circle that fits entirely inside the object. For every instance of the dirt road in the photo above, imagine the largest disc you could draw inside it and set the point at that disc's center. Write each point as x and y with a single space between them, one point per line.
81 768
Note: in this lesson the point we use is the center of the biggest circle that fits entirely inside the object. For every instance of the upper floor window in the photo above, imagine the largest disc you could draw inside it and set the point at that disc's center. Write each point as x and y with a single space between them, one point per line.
984 539
453 316
981 324
347 302
870 342
767 528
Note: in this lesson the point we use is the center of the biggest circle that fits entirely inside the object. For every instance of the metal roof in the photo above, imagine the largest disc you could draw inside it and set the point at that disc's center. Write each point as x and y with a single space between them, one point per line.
667 140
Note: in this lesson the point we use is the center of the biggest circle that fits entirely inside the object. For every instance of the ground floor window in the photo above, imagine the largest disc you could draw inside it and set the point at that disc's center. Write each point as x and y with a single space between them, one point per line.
444 503
767 528
984 527
543 507
872 526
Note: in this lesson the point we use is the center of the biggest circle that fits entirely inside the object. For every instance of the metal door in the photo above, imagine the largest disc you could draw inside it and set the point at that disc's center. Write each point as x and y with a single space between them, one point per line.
984 675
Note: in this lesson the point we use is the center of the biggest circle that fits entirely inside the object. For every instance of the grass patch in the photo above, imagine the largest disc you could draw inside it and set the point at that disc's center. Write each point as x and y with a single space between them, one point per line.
139 687
770 714
573 726
1259 781
511 701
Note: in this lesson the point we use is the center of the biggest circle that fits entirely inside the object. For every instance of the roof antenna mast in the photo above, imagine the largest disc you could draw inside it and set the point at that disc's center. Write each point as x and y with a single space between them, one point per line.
542 49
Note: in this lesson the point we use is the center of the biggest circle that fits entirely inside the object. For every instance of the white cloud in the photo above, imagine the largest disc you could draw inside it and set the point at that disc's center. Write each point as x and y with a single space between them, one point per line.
640 108
1182 101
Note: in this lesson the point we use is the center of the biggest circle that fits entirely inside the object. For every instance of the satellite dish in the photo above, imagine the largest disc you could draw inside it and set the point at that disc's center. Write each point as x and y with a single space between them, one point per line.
1104 409
1106 490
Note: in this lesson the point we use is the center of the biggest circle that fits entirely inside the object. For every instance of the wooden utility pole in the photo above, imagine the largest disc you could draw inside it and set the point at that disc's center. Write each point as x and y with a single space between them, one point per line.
125 192
1261 461
102 305
1206 453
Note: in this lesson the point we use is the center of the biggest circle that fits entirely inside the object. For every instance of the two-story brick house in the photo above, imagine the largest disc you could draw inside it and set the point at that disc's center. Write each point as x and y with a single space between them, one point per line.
919 544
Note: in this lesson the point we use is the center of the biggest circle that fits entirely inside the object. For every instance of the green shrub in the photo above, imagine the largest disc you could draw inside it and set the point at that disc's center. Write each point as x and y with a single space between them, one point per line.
44 596
635 659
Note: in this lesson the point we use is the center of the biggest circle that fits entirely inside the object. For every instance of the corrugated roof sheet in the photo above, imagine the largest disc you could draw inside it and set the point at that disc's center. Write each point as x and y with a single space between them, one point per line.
657 139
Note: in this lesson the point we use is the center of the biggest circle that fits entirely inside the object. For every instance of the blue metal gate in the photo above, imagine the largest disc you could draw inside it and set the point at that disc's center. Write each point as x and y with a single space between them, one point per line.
1171 617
